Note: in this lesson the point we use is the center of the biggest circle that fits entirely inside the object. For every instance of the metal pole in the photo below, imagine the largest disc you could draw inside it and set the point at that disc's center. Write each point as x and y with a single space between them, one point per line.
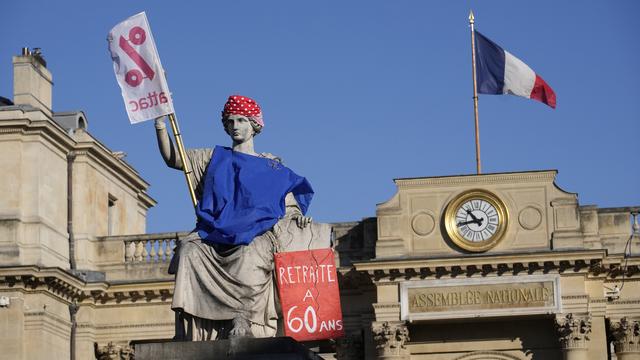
183 155
73 310
72 241
475 90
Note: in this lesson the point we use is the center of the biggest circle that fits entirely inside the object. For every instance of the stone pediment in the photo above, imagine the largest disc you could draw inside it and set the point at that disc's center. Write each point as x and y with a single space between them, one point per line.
412 222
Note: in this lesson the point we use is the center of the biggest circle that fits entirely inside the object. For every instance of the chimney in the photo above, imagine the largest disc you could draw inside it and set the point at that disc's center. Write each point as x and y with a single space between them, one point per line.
32 82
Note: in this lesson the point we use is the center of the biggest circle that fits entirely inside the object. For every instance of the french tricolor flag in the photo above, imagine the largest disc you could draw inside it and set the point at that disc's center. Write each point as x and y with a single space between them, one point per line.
499 72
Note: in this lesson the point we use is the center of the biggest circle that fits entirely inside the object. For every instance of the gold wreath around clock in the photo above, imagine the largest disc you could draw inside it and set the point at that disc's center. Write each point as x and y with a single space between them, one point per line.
476 220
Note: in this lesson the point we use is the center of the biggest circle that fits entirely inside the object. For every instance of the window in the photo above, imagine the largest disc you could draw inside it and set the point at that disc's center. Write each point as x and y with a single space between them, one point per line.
111 214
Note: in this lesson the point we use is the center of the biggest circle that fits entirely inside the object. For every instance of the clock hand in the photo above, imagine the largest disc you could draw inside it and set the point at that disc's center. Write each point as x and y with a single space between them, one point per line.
472 216
477 221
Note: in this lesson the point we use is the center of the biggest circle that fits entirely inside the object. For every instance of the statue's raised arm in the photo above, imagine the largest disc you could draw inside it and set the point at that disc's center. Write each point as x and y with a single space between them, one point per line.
169 153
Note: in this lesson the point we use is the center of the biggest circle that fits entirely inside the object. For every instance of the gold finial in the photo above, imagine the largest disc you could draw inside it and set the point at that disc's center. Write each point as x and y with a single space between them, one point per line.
471 18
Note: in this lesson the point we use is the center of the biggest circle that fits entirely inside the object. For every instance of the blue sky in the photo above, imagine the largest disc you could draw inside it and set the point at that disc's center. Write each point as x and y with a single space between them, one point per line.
356 93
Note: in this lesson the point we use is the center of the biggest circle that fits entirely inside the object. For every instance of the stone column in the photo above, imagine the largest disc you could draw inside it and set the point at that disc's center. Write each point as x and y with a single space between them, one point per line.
626 337
573 333
391 338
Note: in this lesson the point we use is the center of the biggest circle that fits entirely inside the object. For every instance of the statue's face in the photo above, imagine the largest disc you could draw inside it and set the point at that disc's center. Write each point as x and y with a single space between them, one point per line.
239 128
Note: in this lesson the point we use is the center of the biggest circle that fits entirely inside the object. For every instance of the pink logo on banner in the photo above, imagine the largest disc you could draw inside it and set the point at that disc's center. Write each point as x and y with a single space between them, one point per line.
137 36
309 294
138 70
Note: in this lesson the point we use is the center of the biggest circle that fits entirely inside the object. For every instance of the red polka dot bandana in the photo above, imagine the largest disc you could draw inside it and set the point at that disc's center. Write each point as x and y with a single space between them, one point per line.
245 106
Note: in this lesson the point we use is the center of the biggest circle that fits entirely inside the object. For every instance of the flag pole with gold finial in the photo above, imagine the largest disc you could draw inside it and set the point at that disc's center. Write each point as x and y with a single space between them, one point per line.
475 90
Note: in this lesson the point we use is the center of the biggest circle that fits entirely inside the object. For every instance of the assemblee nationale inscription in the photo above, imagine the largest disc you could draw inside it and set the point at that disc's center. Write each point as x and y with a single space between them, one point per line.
481 297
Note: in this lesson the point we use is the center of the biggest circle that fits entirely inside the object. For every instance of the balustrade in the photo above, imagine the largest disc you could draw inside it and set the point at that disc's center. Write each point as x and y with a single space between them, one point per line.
150 248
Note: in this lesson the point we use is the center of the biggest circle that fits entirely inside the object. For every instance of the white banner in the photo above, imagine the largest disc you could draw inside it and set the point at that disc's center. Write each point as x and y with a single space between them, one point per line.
138 70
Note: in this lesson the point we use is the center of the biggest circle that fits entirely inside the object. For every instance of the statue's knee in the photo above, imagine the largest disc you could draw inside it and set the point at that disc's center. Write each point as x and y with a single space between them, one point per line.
189 250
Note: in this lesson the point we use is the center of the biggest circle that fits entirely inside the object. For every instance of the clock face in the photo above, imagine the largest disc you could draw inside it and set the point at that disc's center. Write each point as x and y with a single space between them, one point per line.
476 220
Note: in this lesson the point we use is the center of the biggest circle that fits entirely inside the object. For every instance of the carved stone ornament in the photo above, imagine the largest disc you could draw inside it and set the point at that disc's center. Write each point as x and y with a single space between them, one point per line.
114 352
349 347
73 308
573 331
626 335
390 338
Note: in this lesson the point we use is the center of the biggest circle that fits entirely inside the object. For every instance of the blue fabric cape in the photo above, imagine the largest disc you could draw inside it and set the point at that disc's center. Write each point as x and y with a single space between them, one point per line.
243 196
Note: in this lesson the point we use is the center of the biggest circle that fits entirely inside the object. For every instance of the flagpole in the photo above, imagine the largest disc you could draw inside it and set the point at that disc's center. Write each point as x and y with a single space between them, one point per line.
475 90
183 155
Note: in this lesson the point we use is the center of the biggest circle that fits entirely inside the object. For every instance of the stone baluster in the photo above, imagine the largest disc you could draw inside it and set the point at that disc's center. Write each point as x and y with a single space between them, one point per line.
153 252
626 338
162 248
145 252
139 247
573 332
391 338
129 251
168 251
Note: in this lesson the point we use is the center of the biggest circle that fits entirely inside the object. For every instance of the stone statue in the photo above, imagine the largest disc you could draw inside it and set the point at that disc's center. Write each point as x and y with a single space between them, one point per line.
247 202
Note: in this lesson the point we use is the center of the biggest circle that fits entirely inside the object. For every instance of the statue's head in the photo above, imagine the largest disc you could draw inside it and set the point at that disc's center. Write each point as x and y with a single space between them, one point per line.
242 117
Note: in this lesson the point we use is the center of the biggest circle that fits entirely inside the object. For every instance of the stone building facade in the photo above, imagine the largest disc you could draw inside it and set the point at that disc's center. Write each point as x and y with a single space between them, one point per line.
61 193
80 277
557 284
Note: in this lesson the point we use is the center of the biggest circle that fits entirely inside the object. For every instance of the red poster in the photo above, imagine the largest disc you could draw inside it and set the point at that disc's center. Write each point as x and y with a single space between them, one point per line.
309 294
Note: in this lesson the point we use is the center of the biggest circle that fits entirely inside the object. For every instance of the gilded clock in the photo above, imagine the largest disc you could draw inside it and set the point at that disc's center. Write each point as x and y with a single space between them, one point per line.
476 220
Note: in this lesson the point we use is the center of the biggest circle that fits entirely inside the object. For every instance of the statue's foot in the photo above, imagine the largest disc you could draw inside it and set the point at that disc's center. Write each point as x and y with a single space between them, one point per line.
241 327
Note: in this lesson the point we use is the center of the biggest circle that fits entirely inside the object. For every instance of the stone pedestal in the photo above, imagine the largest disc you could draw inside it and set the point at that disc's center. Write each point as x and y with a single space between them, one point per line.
626 338
237 349
573 332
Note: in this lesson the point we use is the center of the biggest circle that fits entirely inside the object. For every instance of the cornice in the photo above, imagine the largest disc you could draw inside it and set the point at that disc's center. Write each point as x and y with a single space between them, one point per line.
387 305
68 288
624 302
499 178
585 262
116 167
126 326
45 128
101 154
617 265
146 199
349 279
48 314
90 146
479 260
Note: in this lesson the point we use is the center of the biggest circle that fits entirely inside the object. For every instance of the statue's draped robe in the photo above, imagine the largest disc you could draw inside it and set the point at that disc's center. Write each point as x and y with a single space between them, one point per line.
217 282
